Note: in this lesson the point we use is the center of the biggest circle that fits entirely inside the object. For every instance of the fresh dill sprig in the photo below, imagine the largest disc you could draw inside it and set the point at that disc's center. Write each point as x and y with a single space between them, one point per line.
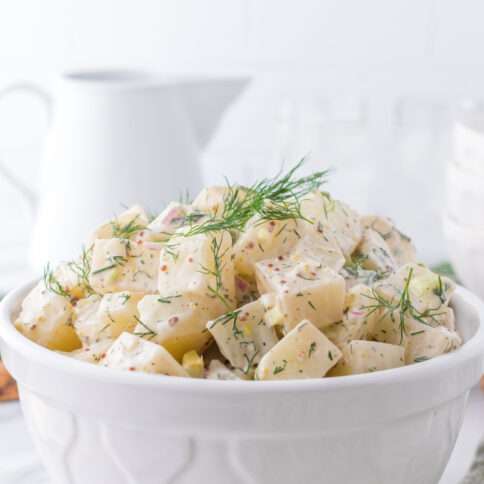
148 333
115 261
167 299
355 264
127 230
403 307
82 269
249 363
226 318
439 291
171 250
217 271
191 218
275 198
52 283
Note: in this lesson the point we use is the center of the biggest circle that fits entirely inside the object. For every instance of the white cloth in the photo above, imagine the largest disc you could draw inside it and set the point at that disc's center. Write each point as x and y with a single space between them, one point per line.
19 463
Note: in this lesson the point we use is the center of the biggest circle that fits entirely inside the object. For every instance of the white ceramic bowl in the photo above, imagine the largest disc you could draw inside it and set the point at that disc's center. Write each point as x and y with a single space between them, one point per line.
94 425
465 245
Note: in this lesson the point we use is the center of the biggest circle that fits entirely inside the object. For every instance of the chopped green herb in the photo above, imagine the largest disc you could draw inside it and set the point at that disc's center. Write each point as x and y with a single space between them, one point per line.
231 316
439 291
127 230
115 261
415 333
280 369
312 348
419 359
249 363
148 333
217 271
167 299
170 249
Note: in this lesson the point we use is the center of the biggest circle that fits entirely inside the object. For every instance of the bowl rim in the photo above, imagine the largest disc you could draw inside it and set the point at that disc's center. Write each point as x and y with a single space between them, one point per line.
49 359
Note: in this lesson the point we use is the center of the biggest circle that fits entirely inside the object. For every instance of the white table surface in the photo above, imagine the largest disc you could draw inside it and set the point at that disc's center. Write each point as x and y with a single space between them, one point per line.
20 465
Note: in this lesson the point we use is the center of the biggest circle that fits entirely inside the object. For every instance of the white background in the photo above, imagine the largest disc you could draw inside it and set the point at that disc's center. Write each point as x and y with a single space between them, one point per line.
369 88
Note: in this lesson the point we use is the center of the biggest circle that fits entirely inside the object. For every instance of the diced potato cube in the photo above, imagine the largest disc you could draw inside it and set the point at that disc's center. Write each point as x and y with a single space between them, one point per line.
193 364
305 352
388 326
425 342
343 223
71 280
91 354
367 357
85 312
312 207
177 322
412 293
243 336
303 290
432 289
374 253
321 299
212 199
274 317
106 317
200 266
446 317
354 274
263 240
122 265
400 245
174 216
46 318
319 250
245 291
428 291
354 325
218 371
129 352
125 226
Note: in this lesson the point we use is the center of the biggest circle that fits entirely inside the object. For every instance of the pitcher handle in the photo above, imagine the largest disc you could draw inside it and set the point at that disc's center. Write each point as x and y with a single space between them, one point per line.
26 191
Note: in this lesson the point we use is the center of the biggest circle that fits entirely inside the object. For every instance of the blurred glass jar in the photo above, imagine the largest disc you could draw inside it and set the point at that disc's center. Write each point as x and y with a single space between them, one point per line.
421 139
332 133
468 136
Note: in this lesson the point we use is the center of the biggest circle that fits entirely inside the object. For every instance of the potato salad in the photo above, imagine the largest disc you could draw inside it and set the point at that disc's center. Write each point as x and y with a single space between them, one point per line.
274 281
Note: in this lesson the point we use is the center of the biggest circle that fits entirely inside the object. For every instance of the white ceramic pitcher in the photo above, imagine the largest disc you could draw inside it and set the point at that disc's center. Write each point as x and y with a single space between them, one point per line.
117 138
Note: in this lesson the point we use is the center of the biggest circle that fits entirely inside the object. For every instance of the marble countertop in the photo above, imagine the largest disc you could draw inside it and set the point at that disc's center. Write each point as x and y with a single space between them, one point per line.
20 465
